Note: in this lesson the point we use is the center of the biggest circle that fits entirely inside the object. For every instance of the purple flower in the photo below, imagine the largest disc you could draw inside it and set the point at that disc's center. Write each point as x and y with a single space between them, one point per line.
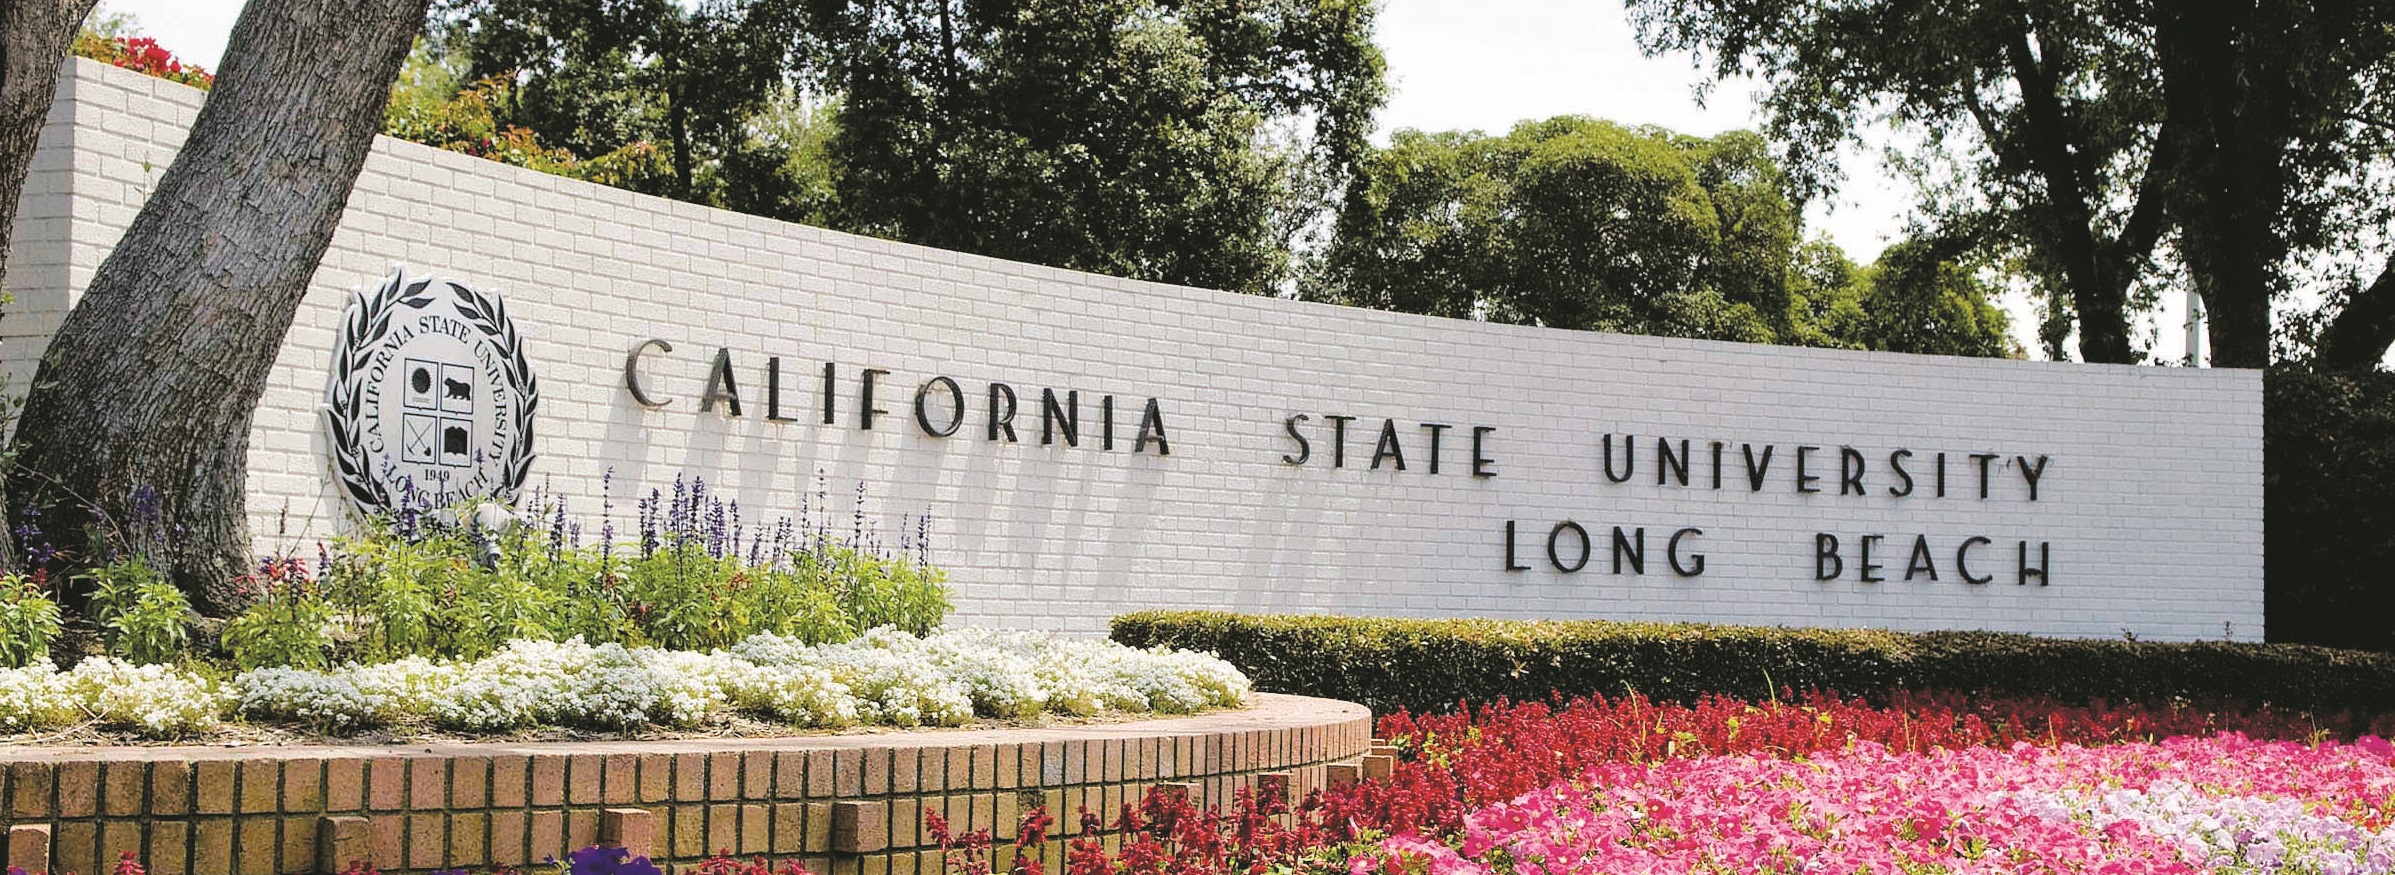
30 539
596 860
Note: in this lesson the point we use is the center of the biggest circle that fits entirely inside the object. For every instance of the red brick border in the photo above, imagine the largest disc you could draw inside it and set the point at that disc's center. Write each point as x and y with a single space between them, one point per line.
843 804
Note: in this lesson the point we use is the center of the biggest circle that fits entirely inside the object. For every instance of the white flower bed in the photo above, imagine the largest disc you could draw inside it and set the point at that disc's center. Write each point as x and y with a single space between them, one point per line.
884 678
154 700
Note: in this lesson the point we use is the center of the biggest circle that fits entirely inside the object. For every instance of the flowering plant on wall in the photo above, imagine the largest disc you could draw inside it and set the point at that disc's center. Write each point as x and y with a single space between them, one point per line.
142 55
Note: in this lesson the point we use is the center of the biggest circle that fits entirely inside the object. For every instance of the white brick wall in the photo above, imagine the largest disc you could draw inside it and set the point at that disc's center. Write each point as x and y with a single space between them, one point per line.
2152 503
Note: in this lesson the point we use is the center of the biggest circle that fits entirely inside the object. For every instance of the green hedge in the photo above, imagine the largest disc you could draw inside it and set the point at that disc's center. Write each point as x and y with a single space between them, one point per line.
2328 496
1421 665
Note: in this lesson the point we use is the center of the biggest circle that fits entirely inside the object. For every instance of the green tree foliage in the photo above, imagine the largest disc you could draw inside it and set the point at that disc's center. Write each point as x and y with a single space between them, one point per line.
429 105
1180 142
2102 148
782 166
1578 223
594 78
1920 298
2328 494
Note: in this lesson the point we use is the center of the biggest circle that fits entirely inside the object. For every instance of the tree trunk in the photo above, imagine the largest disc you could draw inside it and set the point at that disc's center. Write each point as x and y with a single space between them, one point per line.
156 373
2100 300
2231 90
34 38
2360 335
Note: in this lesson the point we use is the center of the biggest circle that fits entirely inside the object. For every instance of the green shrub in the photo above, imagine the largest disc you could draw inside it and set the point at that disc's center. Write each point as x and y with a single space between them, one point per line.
440 585
2328 495
140 612
288 624
1430 665
29 621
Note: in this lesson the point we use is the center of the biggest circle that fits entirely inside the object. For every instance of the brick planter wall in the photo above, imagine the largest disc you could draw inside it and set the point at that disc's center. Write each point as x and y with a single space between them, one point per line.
840 804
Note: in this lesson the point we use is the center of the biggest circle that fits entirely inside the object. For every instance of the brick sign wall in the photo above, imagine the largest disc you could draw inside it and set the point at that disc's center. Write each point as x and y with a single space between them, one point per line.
1086 446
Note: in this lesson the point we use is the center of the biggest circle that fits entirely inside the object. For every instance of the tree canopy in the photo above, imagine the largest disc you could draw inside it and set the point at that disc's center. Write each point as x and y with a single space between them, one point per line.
1573 222
2105 149
1186 142
597 78
1206 143
1183 141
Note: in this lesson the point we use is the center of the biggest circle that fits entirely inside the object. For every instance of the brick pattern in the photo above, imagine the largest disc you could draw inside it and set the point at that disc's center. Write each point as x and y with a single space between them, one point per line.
844 805
2152 505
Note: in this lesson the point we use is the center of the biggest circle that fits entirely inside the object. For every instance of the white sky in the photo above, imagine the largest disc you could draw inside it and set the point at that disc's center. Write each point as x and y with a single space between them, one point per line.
1465 64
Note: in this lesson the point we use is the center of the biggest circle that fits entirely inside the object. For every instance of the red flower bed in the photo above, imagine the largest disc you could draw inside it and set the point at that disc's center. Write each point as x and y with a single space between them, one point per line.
1461 761
1456 763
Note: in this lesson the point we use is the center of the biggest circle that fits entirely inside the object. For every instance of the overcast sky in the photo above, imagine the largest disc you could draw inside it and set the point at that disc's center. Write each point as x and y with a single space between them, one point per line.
1458 64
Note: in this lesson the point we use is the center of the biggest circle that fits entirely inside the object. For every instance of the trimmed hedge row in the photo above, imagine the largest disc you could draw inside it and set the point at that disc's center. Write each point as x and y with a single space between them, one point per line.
1430 665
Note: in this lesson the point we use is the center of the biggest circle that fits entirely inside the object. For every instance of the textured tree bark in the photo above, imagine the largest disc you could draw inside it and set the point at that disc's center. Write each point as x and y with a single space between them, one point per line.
156 373
34 37
2098 293
2233 90
2360 335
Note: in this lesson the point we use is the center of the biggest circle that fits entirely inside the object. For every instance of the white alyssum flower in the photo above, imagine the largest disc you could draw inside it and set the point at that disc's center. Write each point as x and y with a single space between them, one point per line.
317 698
883 677
999 670
154 700
530 683
414 685
34 698
801 695
348 697
894 684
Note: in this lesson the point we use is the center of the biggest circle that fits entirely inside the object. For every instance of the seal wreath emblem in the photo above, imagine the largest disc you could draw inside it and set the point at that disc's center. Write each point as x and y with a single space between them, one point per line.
431 398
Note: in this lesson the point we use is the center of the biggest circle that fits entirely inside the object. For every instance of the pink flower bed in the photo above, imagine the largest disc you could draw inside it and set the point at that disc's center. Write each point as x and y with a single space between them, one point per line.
2224 804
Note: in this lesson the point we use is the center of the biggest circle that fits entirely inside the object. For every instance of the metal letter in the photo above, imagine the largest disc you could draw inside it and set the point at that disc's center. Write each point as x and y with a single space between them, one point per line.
632 372
1850 471
1629 457
1962 560
1671 552
720 386
1387 448
865 409
1151 428
1510 565
1637 552
1054 417
1306 451
2045 561
1677 465
1896 464
773 391
1002 411
1755 470
2032 474
1921 560
1983 459
1826 564
956 406
1338 438
1556 559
